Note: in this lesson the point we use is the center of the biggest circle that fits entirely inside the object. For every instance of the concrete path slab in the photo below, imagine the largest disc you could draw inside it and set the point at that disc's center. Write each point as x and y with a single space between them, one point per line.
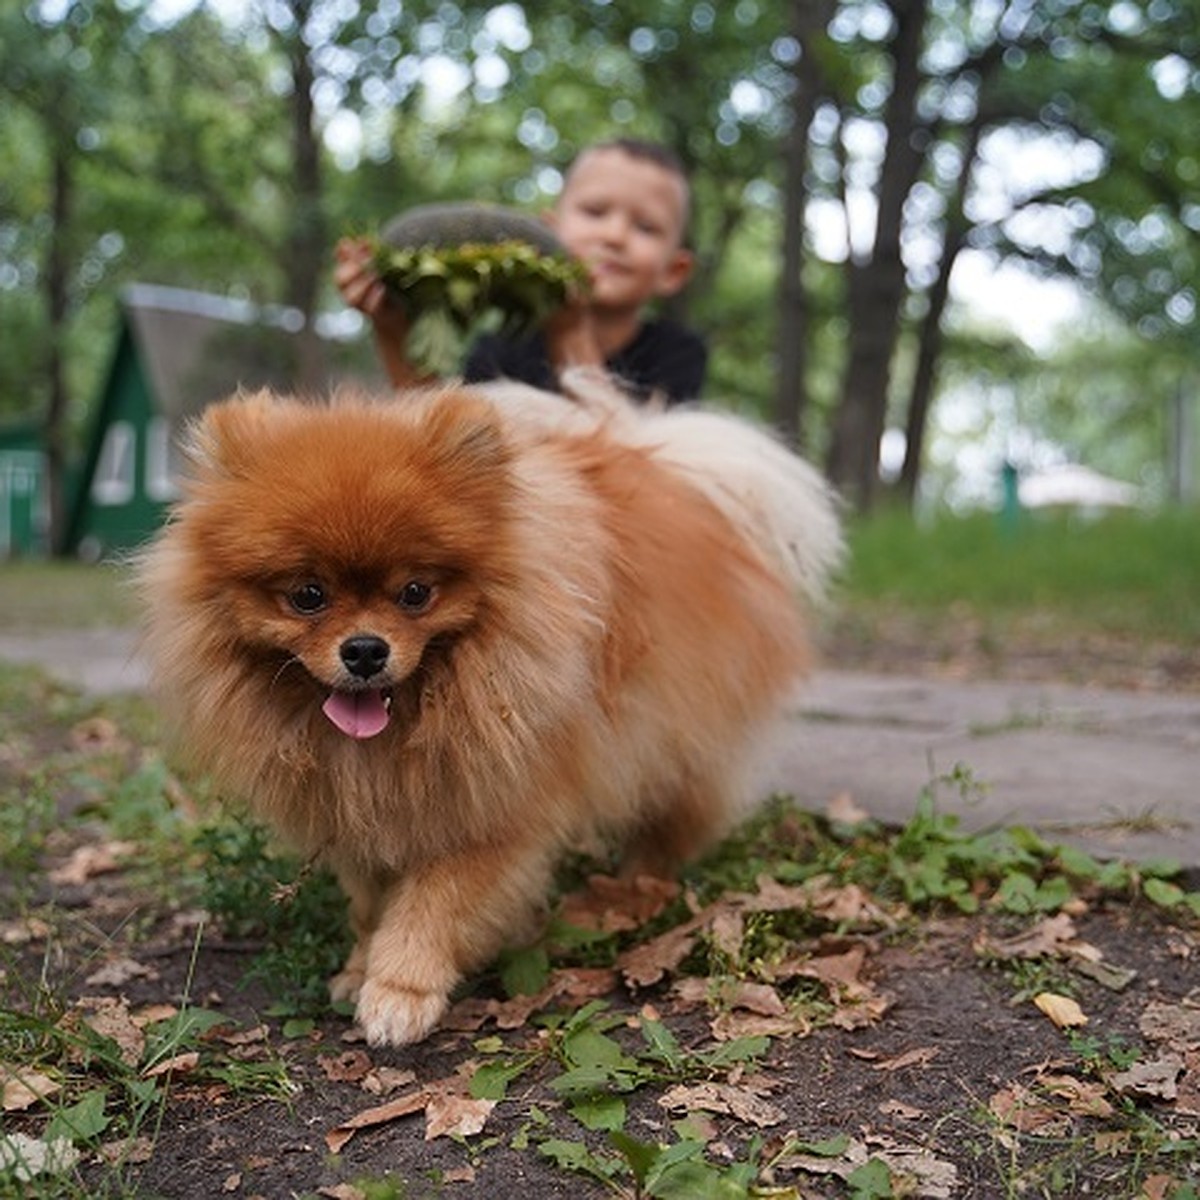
1117 772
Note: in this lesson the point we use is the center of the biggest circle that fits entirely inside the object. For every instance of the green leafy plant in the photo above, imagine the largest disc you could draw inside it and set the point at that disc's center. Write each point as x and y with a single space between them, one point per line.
297 915
102 1095
510 285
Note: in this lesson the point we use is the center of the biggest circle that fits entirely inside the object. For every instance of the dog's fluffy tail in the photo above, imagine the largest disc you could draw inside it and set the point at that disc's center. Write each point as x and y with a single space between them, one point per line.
776 499
781 504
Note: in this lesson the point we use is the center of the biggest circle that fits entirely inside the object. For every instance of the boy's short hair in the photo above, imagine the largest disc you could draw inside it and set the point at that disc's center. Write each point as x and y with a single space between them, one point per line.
655 152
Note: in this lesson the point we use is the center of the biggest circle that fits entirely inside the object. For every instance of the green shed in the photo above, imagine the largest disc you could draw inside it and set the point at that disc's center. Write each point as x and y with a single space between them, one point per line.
177 351
24 505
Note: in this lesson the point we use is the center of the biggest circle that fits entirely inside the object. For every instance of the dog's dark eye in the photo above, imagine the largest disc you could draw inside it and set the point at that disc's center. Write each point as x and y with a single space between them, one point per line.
309 598
415 596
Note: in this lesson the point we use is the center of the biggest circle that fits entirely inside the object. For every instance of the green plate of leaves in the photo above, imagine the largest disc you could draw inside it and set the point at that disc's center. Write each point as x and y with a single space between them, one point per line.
462 268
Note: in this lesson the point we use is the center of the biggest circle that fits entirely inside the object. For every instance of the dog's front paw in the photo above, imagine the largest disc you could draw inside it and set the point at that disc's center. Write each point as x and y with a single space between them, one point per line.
392 1015
346 985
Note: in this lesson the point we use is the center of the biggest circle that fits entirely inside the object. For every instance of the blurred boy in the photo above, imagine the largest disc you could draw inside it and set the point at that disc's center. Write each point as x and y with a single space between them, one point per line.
623 212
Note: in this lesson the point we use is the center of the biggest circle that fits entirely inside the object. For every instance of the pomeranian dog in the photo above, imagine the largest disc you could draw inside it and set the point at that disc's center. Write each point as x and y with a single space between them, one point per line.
440 639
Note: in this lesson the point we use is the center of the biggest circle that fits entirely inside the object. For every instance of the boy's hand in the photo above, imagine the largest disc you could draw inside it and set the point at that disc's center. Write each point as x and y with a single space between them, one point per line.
571 336
361 288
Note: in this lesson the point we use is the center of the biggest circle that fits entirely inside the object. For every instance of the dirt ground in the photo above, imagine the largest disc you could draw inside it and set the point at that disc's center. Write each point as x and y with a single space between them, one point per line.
962 1088
962 647
897 1054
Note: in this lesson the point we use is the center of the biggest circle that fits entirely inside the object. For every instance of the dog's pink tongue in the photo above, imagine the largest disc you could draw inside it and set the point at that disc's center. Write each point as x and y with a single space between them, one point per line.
357 714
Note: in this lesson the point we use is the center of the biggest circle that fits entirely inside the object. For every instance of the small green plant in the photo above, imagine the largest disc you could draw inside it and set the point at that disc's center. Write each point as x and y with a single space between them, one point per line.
103 1092
1103 1054
28 813
594 1073
298 915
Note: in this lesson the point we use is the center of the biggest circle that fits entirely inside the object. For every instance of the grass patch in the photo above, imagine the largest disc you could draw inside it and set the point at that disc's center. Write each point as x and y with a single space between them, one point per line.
36 596
1127 574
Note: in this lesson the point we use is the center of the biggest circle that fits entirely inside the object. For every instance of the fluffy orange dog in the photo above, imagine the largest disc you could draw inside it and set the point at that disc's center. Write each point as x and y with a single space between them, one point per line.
441 639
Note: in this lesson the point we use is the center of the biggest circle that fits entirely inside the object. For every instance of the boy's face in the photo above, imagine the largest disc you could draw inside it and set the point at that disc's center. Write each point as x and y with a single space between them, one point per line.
624 218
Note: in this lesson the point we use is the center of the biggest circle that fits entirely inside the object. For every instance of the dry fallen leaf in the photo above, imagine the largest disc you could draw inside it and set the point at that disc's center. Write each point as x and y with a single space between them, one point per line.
22 930
1187 1103
905 1112
1018 1108
89 861
111 1018
645 965
1176 1024
453 1115
180 1064
153 1013
1083 1098
845 905
352 1066
342 1191
1158 1187
23 1158
246 1037
922 1056
1046 939
728 932
1062 1010
840 970
383 1080
1156 1077
380 1114
573 986
860 1013
1055 937
118 972
743 1103
1107 975
917 1171
24 1087
615 905
741 994
449 1111
729 1026
130 1151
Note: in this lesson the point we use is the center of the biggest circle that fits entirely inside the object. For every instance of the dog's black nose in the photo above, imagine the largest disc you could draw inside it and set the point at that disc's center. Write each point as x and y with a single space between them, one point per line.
364 654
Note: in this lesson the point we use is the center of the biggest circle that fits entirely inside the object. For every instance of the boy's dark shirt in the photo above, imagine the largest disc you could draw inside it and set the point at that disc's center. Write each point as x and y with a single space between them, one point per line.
664 357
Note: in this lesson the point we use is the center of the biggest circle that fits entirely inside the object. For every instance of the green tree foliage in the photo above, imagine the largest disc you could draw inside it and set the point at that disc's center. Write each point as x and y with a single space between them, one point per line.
227 148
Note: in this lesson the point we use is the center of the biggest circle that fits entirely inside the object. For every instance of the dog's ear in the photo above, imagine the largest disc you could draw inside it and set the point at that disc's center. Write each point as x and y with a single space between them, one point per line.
228 436
466 435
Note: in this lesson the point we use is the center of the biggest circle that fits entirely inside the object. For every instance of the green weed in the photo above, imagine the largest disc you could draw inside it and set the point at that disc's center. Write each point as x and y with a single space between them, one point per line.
297 915
104 1093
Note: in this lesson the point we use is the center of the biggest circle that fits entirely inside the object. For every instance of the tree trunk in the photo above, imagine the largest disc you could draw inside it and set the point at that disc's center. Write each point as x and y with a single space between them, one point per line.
307 242
876 287
57 301
792 334
929 347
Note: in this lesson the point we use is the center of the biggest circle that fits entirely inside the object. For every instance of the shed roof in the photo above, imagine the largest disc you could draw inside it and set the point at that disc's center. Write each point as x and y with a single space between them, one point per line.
196 347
